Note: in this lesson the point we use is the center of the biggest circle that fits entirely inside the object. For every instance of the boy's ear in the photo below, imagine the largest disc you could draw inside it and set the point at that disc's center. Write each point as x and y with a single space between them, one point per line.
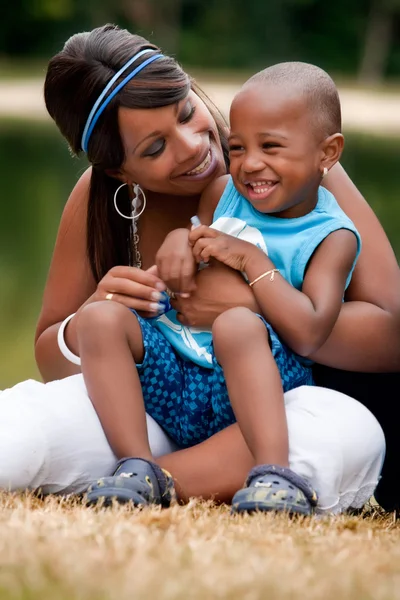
332 148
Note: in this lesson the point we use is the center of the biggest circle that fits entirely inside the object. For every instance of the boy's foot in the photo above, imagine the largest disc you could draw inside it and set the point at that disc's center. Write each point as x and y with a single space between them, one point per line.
274 488
135 480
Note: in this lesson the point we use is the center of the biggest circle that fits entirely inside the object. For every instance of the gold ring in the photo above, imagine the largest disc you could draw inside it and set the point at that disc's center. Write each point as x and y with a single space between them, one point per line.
109 296
172 295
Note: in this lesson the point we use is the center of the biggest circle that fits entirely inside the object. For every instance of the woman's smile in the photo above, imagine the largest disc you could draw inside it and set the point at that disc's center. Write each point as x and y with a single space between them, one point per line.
203 169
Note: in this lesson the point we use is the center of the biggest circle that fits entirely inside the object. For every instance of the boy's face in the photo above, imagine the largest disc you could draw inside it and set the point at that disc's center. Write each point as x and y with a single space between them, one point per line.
274 152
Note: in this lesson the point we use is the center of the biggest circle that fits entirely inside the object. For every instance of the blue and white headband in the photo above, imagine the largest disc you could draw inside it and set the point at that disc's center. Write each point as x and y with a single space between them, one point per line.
101 104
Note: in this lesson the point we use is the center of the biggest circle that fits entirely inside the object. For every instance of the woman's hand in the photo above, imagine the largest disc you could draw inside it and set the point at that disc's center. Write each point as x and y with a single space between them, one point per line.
218 288
132 287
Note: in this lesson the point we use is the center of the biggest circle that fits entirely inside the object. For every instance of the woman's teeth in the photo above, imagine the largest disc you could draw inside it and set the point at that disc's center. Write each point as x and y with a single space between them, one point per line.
260 187
202 166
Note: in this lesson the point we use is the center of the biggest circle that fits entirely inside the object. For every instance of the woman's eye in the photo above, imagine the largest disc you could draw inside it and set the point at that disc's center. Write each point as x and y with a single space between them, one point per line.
235 147
155 149
187 113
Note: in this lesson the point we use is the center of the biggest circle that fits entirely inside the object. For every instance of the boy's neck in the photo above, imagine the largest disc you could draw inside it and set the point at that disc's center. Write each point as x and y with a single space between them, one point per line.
300 209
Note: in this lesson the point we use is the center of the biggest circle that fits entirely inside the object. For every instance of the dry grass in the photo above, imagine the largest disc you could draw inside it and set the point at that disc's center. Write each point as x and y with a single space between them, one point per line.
56 549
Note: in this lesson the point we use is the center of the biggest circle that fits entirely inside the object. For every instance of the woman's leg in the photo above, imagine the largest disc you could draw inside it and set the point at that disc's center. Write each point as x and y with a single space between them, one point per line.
334 442
51 438
372 389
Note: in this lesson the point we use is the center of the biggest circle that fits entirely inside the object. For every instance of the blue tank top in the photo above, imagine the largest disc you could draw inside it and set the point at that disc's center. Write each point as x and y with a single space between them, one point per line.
289 243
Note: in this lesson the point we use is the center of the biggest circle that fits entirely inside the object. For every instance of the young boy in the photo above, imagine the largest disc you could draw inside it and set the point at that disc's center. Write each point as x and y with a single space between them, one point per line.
272 222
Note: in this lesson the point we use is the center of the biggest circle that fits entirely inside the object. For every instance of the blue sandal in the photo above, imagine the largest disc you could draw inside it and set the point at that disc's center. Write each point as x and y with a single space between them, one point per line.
274 488
135 480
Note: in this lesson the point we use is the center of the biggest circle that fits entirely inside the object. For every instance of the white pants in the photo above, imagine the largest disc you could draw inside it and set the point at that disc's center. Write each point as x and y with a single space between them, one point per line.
51 438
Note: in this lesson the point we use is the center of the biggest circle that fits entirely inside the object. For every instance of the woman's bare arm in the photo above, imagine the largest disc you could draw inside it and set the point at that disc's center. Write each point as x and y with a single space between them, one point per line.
69 284
366 336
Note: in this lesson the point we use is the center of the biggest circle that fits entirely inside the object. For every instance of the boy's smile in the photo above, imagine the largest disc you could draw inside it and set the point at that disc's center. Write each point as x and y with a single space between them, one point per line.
274 151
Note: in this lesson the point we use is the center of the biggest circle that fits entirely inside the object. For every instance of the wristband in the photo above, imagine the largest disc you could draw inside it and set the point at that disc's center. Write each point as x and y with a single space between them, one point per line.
65 351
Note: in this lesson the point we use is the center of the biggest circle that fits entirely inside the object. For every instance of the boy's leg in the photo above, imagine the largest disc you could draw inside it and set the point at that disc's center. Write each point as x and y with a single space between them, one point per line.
241 345
110 343
111 340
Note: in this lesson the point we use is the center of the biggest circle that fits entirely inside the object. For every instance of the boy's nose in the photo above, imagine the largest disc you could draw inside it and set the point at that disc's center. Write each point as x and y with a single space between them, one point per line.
252 163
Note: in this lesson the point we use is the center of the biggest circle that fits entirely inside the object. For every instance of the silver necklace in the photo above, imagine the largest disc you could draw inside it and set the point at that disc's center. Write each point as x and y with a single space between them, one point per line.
136 252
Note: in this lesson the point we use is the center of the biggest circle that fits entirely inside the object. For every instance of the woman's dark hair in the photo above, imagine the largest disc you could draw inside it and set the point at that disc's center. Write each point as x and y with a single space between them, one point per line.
75 78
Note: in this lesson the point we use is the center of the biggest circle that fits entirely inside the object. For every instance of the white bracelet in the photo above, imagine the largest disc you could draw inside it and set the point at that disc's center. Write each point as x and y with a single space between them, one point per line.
65 351
271 274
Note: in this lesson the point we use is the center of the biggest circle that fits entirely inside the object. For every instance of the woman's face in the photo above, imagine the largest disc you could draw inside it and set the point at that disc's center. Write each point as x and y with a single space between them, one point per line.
173 149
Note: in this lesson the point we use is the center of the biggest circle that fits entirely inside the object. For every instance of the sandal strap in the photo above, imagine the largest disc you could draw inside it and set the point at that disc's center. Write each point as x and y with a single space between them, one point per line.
164 479
288 475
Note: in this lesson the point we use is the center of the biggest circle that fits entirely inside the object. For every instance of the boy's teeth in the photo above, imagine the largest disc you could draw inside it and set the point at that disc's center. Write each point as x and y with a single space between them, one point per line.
258 183
202 166
260 187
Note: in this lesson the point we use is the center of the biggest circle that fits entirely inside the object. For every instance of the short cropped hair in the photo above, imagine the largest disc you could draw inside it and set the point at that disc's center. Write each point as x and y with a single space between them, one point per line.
317 87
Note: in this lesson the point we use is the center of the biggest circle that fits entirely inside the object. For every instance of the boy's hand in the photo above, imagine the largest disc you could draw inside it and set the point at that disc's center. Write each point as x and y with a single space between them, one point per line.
176 264
210 243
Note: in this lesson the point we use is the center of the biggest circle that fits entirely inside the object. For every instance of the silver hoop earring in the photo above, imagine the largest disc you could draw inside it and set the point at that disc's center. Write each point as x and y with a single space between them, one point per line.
324 172
135 214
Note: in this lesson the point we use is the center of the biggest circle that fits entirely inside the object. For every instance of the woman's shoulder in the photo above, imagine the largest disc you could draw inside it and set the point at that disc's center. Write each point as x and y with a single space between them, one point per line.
77 202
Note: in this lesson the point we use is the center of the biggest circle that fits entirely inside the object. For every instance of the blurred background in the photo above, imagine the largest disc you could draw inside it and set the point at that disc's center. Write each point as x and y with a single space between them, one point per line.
220 42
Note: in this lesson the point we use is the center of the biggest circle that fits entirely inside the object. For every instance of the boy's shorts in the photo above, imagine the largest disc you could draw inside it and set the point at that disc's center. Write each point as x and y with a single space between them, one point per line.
191 402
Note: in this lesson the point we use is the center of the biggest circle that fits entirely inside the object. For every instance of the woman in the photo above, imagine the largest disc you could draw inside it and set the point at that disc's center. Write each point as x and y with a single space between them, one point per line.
164 150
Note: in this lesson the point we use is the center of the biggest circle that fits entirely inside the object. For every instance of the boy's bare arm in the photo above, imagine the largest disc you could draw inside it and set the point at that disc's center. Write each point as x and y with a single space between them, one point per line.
304 319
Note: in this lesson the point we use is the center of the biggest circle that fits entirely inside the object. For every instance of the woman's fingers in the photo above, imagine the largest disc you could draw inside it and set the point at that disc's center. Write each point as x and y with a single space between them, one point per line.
140 290
127 287
143 306
136 275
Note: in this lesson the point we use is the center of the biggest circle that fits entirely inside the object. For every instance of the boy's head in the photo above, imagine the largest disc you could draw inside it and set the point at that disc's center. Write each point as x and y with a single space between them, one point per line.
285 134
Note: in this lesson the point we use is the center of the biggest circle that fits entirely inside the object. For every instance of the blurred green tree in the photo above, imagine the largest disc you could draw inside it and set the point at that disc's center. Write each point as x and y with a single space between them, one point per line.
379 38
359 36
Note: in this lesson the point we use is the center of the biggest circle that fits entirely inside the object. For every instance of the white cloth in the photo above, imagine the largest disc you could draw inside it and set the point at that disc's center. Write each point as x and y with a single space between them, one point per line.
51 438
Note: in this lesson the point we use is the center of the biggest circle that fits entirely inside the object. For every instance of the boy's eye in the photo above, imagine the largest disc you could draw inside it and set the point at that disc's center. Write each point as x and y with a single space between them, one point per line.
187 113
268 145
155 148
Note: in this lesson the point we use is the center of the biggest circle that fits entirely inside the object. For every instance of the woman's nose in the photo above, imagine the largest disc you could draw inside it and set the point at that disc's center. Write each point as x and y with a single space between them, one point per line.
189 145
